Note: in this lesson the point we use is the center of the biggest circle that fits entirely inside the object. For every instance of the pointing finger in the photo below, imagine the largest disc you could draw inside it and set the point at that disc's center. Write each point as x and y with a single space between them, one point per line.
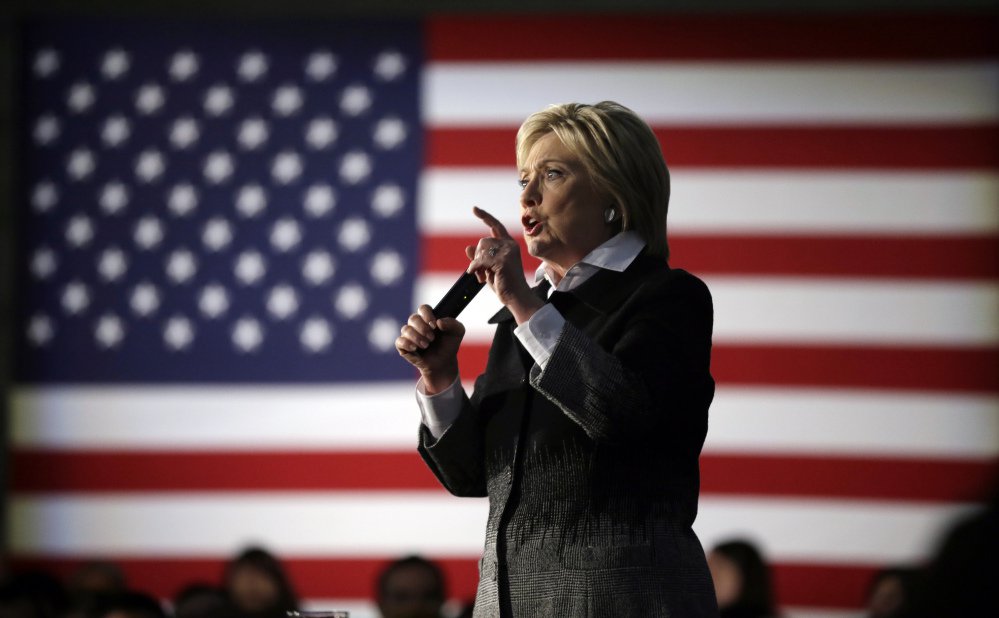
497 228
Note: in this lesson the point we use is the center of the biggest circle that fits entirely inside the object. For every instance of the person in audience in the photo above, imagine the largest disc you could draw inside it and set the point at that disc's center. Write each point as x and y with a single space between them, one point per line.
257 586
201 600
892 591
412 587
33 594
91 582
127 604
742 580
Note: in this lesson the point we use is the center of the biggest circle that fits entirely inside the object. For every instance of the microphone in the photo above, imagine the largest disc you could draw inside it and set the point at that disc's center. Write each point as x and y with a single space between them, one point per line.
458 297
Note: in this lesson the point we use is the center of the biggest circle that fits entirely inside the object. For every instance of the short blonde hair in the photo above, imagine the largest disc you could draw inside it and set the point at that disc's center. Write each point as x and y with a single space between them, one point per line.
620 153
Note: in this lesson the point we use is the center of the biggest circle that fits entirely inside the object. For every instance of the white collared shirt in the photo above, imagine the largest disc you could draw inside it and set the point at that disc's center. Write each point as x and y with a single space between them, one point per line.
540 333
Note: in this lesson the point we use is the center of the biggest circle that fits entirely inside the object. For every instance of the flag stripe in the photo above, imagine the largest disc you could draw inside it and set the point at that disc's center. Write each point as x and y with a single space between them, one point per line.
354 578
750 93
745 203
915 424
926 480
828 366
951 257
709 37
434 523
916 147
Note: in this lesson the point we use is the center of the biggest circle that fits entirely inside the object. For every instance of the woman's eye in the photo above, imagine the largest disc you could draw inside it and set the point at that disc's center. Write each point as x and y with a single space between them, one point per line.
522 182
552 174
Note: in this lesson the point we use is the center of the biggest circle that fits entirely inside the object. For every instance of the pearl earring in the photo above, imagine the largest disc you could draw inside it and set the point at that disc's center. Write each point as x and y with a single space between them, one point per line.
609 215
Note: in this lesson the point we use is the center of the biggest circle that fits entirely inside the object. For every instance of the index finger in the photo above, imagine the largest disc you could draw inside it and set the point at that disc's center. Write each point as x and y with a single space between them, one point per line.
497 228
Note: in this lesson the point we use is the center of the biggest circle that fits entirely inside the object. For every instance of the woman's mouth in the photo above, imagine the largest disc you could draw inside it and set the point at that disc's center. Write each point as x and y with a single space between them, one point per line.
532 227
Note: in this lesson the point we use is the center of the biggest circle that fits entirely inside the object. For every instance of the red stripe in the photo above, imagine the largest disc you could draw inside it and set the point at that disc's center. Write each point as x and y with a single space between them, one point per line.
796 584
917 257
877 36
905 368
849 147
924 480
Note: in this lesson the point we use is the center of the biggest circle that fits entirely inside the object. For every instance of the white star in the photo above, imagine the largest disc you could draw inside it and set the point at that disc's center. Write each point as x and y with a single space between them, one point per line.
112 264
355 167
183 199
287 100
351 301
184 132
109 331
382 333
113 197
390 133
387 200
115 131
43 263
355 100
355 233
46 62
81 97
387 267
250 267
253 132
319 200
321 65
252 66
81 163
115 64
247 334
213 301
286 167
148 232
150 165
183 65
47 130
318 267
285 234
251 200
181 266
79 231
389 65
40 330
178 333
219 99
145 299
150 99
316 335
218 167
44 196
217 234
75 297
282 301
321 133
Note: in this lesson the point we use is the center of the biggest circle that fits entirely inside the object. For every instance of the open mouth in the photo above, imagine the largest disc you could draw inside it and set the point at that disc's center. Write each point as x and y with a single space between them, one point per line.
531 225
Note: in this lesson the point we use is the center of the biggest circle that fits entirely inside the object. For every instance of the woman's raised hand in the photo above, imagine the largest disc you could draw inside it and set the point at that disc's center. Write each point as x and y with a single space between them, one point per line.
431 345
496 260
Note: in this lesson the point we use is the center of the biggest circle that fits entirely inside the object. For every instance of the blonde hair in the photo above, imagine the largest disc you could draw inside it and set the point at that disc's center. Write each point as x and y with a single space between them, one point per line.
621 155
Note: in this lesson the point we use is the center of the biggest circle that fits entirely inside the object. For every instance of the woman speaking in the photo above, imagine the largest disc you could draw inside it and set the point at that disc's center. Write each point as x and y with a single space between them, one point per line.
585 429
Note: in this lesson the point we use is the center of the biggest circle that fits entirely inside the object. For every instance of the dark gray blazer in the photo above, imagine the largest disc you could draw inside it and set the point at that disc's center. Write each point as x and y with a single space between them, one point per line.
591 465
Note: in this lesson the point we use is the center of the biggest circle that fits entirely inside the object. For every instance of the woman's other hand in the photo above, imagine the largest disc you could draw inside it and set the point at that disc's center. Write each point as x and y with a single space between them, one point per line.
431 345
496 260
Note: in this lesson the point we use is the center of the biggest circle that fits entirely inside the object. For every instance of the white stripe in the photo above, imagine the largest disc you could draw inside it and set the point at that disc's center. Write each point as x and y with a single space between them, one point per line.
431 523
763 420
775 421
704 93
801 310
757 202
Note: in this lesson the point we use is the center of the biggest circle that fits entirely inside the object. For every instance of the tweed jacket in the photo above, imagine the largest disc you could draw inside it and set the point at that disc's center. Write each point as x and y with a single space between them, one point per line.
591 465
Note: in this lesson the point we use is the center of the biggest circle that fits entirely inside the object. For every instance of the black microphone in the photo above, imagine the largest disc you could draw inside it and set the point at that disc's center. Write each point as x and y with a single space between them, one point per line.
458 297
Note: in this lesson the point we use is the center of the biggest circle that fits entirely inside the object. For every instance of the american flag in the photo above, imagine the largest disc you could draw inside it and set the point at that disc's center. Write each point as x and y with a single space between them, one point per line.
222 225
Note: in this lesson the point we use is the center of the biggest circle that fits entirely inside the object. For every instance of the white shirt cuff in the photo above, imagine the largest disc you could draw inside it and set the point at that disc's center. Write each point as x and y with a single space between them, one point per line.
540 333
441 410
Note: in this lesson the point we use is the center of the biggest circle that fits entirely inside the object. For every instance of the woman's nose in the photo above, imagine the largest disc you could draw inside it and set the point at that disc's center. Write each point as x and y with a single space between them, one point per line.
529 195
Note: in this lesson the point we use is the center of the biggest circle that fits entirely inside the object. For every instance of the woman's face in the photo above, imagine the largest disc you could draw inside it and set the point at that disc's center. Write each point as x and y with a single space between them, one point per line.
561 211
253 590
727 579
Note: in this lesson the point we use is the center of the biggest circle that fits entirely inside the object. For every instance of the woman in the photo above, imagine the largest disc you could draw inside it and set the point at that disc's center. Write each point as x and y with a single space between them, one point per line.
585 429
257 586
742 580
